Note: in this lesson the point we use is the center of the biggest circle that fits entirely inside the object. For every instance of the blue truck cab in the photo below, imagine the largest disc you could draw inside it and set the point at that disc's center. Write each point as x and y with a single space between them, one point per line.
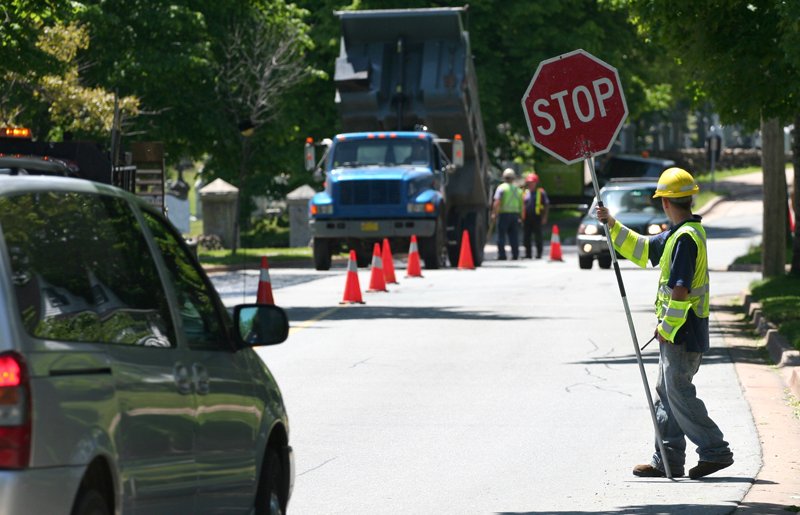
381 185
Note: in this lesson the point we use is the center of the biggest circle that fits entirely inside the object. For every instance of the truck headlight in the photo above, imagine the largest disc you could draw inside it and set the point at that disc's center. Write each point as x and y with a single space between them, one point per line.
656 228
588 229
427 207
321 209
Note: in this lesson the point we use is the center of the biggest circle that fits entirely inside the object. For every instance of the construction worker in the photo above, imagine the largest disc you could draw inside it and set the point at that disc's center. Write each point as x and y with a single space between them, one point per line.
534 216
682 309
507 210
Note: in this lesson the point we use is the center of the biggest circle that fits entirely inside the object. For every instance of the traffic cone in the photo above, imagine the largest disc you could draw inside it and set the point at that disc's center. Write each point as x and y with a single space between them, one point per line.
264 293
555 245
413 269
352 289
376 280
465 257
388 263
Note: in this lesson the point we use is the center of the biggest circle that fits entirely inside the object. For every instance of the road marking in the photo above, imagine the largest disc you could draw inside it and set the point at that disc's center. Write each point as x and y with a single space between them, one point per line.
308 323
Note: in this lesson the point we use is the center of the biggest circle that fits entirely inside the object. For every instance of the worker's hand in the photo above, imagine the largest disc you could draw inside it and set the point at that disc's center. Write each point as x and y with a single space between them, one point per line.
604 216
658 336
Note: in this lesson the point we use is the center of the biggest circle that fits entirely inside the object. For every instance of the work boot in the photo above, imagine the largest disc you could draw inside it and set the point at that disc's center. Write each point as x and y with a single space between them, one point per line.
705 468
651 471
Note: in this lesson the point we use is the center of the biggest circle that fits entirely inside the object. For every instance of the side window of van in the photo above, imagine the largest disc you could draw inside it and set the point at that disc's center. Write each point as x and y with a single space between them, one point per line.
82 270
201 321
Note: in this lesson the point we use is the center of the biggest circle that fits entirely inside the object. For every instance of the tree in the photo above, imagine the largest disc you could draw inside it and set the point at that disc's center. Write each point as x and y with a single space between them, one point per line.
261 58
735 53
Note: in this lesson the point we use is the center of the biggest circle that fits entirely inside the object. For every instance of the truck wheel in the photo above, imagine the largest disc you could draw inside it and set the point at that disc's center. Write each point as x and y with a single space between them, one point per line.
363 257
604 261
433 249
476 225
585 262
454 235
322 254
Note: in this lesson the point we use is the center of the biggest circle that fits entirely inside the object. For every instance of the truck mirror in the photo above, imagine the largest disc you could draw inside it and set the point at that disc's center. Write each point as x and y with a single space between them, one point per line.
458 151
309 155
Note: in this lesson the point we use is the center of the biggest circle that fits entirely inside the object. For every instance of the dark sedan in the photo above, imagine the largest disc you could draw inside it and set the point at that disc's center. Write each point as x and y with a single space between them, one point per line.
632 203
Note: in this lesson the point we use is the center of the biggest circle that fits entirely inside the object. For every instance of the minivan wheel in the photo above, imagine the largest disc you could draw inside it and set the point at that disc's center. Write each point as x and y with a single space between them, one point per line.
604 261
269 499
585 262
90 502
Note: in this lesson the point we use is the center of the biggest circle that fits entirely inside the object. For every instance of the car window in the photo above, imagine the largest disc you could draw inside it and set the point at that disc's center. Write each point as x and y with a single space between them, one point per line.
202 325
82 270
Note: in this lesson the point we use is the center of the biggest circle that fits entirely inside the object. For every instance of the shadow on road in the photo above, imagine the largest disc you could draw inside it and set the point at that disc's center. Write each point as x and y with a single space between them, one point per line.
683 508
399 312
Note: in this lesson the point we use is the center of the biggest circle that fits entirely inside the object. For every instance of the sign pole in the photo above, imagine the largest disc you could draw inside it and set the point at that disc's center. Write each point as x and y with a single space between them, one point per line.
621 285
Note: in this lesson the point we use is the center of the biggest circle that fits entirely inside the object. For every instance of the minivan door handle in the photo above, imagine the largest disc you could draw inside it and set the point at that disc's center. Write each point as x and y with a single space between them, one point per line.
182 380
201 383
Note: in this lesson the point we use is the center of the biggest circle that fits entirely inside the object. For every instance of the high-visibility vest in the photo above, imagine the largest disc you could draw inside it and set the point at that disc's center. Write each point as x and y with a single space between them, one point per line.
672 314
699 298
510 198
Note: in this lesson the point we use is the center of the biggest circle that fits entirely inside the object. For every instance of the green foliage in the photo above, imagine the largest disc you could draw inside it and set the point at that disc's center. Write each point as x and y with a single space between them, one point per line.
743 55
780 301
267 233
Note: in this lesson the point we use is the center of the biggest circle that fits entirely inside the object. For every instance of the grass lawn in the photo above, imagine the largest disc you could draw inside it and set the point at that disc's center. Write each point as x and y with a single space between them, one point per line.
780 303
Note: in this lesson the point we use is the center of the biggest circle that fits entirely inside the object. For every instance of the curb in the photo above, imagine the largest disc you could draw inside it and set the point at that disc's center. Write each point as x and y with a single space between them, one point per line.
784 355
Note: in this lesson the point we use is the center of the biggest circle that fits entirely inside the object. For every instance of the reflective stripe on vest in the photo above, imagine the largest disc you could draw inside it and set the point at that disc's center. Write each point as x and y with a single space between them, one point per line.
699 295
538 208
510 203
630 244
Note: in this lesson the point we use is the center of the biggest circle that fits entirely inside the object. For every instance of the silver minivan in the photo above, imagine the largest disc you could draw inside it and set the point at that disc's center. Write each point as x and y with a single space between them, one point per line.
125 384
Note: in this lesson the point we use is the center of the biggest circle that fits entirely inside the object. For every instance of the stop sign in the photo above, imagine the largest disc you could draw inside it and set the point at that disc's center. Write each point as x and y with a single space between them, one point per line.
574 106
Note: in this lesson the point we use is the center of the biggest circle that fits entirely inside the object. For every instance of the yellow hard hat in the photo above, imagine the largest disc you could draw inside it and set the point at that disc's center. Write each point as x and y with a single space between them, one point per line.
676 183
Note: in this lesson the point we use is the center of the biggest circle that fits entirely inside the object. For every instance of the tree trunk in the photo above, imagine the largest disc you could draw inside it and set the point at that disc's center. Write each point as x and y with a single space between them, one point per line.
796 196
773 251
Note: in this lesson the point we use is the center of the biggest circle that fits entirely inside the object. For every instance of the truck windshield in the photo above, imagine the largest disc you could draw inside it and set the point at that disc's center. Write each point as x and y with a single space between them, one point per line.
365 152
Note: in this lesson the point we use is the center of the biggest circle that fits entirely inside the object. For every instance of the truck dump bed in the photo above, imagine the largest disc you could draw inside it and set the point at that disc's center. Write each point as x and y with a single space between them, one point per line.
401 68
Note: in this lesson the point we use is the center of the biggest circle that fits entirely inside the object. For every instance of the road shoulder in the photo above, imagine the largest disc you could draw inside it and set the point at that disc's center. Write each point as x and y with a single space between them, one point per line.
776 488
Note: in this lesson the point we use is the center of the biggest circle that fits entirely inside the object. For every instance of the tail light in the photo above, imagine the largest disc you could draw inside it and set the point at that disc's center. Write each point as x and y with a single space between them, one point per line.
15 420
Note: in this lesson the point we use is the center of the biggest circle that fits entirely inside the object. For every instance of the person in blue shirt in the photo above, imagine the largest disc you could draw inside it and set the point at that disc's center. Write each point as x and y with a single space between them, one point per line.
682 309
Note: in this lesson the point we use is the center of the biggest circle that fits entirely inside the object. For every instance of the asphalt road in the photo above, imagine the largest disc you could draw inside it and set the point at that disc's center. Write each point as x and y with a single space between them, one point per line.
513 388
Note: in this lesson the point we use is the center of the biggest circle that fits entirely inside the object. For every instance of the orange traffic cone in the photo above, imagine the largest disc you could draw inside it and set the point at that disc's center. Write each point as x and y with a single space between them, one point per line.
388 263
465 257
352 289
264 293
376 280
413 269
555 245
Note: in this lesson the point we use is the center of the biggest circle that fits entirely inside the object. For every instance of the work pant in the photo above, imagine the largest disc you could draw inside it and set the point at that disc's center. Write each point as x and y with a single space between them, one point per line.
508 224
532 225
680 414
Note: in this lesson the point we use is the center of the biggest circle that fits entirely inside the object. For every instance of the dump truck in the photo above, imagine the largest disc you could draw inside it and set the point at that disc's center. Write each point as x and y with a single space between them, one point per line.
412 159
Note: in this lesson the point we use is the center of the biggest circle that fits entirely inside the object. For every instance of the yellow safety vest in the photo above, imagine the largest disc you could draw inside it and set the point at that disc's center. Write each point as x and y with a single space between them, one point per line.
510 203
671 313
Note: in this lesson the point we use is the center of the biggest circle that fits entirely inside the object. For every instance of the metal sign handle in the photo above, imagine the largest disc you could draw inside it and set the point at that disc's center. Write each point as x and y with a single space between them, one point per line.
660 441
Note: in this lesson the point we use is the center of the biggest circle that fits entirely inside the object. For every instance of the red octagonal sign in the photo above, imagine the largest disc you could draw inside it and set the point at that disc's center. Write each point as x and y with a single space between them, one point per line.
574 106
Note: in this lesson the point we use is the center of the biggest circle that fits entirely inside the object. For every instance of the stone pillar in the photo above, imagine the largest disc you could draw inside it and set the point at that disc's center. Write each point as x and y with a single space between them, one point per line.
219 210
297 200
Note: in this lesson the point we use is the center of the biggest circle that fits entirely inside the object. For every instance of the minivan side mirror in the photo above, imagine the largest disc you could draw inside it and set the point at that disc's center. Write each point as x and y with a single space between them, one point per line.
260 324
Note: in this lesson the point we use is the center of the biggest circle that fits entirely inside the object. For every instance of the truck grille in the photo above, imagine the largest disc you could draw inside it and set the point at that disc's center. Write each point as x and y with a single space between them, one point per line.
372 192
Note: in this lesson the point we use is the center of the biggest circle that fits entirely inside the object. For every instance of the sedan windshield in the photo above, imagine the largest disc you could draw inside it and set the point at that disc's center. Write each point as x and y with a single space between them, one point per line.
639 200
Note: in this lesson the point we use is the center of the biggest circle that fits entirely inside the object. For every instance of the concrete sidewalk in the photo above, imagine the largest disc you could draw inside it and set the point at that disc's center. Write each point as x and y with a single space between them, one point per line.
771 391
